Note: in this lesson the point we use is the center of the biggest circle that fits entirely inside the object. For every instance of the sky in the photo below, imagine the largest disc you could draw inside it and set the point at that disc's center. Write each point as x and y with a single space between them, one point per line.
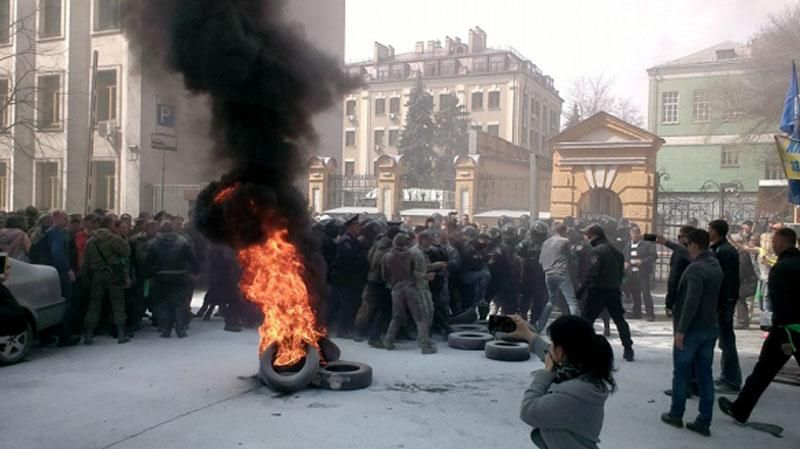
565 38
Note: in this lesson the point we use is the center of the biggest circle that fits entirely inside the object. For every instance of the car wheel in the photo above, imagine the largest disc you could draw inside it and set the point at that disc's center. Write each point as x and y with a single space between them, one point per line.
293 379
507 351
14 348
343 376
470 328
470 341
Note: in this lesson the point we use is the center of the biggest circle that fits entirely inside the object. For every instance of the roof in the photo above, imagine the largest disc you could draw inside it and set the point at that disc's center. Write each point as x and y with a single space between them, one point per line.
604 119
497 213
351 210
709 56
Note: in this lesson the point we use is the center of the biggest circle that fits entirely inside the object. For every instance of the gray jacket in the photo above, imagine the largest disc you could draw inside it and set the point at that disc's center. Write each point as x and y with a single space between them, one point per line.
556 254
566 415
698 290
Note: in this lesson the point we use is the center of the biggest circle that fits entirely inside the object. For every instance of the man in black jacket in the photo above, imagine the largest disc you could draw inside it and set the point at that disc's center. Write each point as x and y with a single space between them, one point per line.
784 339
730 380
350 275
604 285
678 262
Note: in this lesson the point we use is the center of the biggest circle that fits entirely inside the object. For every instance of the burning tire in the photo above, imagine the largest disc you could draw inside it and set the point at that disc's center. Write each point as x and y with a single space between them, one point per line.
292 380
507 351
470 328
343 376
470 341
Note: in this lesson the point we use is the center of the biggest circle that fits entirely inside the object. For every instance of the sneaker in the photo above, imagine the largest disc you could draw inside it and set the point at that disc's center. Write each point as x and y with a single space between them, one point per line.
672 420
696 427
628 354
726 405
181 334
376 343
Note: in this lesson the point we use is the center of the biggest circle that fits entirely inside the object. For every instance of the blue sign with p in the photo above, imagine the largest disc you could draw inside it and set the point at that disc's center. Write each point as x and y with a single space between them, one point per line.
165 115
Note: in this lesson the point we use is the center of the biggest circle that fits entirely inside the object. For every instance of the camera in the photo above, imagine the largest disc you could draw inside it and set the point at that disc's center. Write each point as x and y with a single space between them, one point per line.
501 323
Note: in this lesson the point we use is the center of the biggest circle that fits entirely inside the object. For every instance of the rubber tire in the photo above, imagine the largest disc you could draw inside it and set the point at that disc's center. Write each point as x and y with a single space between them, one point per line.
466 316
343 376
20 355
469 341
470 328
330 351
507 351
291 382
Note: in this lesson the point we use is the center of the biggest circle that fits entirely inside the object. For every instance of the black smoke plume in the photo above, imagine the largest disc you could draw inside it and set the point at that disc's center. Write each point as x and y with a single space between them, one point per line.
265 82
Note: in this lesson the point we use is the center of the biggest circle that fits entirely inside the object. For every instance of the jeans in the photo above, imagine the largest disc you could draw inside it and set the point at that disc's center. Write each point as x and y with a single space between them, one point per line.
731 371
555 283
476 283
697 354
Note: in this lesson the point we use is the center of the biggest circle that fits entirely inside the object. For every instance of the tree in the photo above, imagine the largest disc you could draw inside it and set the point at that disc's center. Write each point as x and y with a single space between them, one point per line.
417 138
450 137
592 94
758 96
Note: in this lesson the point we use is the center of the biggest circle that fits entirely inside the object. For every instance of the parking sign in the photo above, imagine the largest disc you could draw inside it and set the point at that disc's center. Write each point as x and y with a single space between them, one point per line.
165 116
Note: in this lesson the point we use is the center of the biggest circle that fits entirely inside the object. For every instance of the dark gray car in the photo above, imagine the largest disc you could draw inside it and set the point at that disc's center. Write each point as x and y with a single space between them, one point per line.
38 291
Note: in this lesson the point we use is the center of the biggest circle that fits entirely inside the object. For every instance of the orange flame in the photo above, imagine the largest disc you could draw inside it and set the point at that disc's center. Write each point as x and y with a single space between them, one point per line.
272 279
225 193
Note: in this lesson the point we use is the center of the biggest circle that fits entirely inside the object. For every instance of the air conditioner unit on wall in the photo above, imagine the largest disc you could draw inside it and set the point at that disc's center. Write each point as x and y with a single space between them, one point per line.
379 149
106 128
351 117
392 116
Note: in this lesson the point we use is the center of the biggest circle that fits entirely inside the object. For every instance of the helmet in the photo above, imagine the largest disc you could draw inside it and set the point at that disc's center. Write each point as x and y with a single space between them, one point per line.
509 232
539 227
494 235
470 232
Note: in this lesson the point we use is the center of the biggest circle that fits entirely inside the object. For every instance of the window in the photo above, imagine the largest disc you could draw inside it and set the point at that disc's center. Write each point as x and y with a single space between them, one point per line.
534 108
349 168
350 138
450 67
553 120
394 105
5 21
536 142
3 185
379 134
394 137
49 18
477 101
669 107
48 102
105 184
350 107
446 101
431 68
5 105
493 130
480 65
399 72
533 139
48 187
499 63
107 15
730 157
106 95
700 106
383 73
494 100
380 106
773 170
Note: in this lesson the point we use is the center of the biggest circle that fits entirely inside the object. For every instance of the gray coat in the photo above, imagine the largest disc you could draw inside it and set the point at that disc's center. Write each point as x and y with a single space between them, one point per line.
566 415
698 290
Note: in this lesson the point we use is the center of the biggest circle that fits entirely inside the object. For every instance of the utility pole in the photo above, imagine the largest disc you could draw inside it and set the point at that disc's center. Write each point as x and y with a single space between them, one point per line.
92 124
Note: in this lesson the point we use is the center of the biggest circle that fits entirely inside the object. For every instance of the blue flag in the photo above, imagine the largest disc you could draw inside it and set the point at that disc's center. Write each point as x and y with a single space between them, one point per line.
791 111
790 124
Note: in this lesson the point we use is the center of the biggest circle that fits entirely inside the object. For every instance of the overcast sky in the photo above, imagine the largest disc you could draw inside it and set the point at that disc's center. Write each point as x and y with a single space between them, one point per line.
565 38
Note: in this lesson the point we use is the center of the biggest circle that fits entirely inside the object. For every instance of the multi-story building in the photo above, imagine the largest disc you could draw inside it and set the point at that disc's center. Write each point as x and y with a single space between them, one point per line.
46 49
712 158
505 94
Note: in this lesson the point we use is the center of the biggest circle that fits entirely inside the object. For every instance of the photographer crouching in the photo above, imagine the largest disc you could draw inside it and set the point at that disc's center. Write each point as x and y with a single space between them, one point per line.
565 402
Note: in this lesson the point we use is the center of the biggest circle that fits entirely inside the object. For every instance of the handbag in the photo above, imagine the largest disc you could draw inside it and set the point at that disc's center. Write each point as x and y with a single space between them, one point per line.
118 274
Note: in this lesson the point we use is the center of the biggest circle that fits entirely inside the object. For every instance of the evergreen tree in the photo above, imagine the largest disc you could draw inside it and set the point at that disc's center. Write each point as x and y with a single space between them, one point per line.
451 137
574 117
417 138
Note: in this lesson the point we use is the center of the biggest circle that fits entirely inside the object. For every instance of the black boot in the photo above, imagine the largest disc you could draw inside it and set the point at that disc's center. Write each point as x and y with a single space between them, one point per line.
122 336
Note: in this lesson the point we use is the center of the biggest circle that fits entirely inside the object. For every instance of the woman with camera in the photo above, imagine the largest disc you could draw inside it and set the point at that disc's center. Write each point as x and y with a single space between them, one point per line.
565 402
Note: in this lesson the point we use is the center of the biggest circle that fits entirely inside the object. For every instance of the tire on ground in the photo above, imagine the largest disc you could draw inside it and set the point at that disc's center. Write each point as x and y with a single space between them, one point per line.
14 348
293 380
470 328
470 341
466 316
343 376
507 351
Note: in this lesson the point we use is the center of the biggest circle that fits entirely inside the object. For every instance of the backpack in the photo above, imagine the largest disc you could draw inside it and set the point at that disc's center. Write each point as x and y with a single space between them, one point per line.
40 251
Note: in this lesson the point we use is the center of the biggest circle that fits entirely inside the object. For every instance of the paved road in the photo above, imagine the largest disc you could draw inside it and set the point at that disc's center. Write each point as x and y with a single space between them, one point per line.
199 393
